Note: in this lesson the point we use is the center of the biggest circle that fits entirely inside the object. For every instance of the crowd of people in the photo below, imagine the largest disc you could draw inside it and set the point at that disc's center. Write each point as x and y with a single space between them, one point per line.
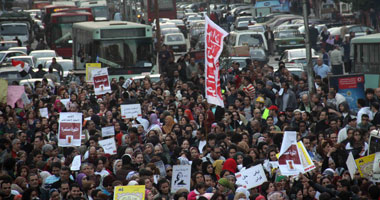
260 104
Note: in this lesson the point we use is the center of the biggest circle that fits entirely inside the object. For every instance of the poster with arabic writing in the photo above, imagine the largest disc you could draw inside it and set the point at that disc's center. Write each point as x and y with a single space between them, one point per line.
252 177
100 80
70 129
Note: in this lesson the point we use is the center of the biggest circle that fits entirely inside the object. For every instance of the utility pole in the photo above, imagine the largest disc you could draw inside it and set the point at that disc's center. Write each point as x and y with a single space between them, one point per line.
208 8
124 11
158 33
309 67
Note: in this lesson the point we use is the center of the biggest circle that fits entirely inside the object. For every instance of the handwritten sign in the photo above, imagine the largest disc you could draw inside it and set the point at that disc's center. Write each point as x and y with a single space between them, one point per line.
100 80
181 177
130 111
290 162
109 146
108 131
89 68
252 177
44 113
131 192
70 129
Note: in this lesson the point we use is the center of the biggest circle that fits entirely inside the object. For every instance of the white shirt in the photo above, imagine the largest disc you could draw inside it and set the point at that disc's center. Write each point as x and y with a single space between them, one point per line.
364 110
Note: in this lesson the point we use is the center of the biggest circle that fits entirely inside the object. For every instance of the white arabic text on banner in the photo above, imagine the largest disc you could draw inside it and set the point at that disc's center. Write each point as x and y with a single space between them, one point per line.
108 145
290 162
70 129
213 48
100 80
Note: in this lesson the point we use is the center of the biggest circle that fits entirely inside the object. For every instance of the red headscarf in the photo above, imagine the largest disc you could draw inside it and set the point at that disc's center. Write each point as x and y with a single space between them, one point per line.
230 165
189 114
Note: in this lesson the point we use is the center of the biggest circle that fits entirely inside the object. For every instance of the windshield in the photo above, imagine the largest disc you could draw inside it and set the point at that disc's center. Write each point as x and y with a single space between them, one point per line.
14 30
166 31
100 11
174 38
288 34
61 34
2 56
194 18
10 75
250 40
129 53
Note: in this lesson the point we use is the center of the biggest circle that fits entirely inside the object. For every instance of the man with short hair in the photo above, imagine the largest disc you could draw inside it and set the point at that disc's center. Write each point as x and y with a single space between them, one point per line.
363 109
75 191
33 181
64 177
321 69
6 190
215 154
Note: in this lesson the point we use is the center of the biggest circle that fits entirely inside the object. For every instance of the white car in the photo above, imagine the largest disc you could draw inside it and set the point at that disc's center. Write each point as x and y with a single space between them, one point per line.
23 49
66 64
4 55
176 41
257 28
43 53
297 56
43 60
27 59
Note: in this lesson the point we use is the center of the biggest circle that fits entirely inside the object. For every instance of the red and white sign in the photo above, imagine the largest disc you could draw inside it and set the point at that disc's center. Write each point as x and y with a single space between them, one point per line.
70 129
213 48
100 80
21 66
289 161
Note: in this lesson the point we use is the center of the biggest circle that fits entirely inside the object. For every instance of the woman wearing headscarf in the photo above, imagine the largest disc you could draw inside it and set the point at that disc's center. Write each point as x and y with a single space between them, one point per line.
154 122
169 123
189 114
218 165
116 166
230 165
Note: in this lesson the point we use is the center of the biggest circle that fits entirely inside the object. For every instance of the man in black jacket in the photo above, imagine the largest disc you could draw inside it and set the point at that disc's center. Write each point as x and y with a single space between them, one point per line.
269 36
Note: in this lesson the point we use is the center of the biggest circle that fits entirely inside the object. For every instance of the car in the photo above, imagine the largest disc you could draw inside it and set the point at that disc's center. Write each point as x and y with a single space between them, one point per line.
283 20
66 64
6 44
30 82
243 25
180 14
258 54
287 27
244 19
297 56
288 39
319 27
27 59
12 74
359 30
167 25
190 20
23 49
4 55
200 45
180 24
154 78
249 38
43 60
296 71
43 53
169 30
257 28
176 41
195 31
227 61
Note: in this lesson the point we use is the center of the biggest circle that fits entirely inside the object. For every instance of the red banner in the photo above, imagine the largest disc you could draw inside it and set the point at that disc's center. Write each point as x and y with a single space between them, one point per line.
213 48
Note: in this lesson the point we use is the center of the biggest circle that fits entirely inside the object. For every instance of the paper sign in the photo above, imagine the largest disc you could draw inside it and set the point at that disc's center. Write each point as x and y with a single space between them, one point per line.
70 129
108 131
127 83
64 102
376 168
14 94
130 111
181 177
365 165
3 90
351 165
307 163
100 80
290 162
75 165
252 177
89 68
44 112
109 146
131 192
161 166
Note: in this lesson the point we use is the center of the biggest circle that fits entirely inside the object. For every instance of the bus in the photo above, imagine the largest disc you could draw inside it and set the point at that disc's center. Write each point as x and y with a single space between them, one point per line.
280 6
365 51
99 9
126 48
60 30
48 10
166 9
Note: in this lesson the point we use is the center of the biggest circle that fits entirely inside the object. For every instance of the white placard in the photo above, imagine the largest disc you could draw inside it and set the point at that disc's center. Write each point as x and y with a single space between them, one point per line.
64 102
130 111
109 146
101 82
181 177
75 165
161 166
351 165
376 168
290 162
70 129
252 177
108 131
44 113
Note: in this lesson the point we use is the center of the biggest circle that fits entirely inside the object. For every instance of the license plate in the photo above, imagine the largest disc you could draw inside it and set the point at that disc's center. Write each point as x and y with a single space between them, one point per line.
175 47
292 42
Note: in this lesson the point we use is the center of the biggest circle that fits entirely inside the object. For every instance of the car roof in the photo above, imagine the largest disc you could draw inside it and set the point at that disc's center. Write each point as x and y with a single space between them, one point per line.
171 34
8 69
31 57
12 51
40 51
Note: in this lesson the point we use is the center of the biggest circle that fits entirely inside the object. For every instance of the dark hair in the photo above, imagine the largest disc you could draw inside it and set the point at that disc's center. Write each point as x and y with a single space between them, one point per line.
361 102
55 164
